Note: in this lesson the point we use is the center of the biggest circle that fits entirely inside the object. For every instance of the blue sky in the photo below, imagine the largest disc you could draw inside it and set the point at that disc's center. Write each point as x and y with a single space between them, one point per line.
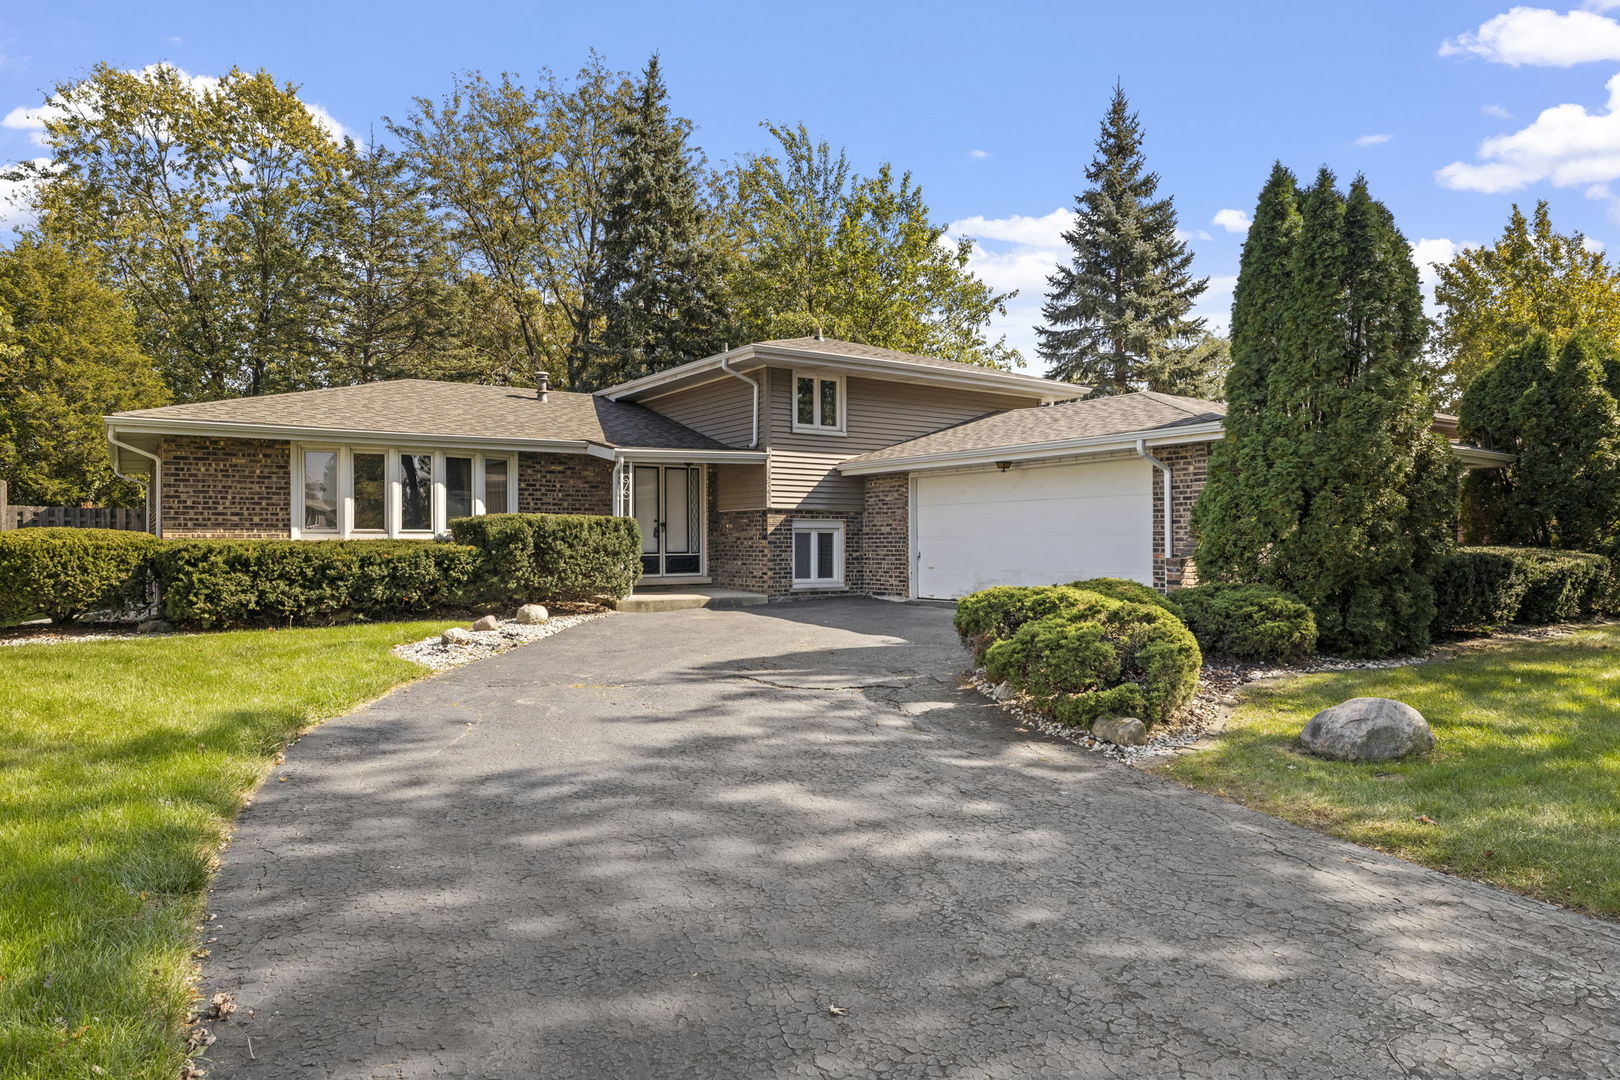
1452 109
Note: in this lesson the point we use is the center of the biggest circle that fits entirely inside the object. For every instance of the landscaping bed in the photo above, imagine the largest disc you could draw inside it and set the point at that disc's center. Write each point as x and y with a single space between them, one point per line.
1519 790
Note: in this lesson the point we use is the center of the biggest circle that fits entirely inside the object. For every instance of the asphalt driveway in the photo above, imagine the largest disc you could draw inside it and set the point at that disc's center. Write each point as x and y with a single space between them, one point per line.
782 842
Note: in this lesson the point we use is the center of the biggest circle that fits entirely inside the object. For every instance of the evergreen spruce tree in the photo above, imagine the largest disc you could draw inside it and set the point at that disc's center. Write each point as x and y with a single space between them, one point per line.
1121 304
659 293
1330 483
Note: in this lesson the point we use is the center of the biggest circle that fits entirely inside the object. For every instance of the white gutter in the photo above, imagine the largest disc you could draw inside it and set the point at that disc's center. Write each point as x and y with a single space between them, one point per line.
725 360
154 486
245 430
1169 523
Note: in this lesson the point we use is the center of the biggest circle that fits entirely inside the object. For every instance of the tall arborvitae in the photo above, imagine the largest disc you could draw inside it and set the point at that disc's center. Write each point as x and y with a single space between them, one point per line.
1237 545
1330 483
659 293
1118 311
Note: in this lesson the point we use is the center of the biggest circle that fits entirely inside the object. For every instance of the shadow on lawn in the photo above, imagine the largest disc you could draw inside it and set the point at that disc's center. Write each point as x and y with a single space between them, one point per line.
808 853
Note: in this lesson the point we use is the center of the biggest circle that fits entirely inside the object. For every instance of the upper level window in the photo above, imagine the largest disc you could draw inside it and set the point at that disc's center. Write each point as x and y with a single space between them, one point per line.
818 402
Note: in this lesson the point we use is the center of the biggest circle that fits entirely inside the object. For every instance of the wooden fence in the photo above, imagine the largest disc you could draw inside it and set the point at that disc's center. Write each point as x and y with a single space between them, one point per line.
74 517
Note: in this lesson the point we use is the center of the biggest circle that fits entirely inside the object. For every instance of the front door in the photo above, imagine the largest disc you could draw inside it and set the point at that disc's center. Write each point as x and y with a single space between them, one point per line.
668 505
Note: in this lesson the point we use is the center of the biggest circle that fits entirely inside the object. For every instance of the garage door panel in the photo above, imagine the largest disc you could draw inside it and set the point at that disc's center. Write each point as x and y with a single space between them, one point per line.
1034 526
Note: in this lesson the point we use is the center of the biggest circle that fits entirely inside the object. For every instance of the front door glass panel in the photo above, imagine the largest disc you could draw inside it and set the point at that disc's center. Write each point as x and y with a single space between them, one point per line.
668 508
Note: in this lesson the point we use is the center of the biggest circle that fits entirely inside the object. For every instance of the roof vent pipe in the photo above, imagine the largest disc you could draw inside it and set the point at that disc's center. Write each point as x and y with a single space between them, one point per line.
542 385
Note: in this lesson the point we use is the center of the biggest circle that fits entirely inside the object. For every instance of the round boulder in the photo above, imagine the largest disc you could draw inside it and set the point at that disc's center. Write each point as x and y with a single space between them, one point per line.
1120 730
488 622
457 635
532 614
1367 729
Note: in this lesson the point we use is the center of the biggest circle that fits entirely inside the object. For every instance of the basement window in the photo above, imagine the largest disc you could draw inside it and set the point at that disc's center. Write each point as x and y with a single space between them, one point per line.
818 554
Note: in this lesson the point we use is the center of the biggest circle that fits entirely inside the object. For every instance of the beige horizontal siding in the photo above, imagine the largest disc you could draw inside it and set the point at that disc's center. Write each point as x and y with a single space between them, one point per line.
739 487
879 413
717 409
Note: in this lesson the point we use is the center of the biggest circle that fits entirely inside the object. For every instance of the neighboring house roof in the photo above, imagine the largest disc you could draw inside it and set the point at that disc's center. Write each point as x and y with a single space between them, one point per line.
850 357
1094 424
411 408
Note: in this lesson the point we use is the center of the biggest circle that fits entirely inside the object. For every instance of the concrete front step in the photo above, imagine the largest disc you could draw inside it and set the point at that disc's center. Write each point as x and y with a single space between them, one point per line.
677 599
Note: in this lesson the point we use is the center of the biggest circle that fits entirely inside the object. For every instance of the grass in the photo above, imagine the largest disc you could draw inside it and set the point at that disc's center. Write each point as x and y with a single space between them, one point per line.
1521 786
121 766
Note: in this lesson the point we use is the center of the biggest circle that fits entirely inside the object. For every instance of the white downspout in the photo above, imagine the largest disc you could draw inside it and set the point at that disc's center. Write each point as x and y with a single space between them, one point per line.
154 488
725 358
1169 524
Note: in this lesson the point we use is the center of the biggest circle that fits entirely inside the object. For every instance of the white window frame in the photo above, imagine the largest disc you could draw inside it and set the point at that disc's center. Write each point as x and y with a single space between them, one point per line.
393 489
833 526
817 378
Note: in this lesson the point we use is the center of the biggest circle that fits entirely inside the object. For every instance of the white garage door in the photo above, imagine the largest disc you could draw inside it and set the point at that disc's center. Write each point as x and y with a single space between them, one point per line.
1034 525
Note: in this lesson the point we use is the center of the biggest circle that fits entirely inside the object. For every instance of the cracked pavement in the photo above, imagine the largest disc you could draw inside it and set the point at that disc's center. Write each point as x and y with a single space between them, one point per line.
676 844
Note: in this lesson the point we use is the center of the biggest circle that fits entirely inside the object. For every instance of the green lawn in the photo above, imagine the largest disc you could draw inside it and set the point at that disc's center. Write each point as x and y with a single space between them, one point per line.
121 765
1523 785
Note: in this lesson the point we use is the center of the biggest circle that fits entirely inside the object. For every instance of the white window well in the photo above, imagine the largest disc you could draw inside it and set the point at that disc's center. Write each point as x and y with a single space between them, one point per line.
374 491
818 554
818 402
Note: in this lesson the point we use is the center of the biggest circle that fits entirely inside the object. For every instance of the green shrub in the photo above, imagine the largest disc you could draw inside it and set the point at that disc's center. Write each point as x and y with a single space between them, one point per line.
67 573
1133 592
221 583
1480 587
995 613
1248 622
559 558
1112 658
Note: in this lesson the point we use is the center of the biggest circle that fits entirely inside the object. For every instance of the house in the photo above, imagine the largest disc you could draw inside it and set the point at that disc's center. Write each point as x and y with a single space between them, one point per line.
794 467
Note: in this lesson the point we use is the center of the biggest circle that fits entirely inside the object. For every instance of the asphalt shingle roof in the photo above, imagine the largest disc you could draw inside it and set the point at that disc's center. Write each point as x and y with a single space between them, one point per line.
1147 411
426 407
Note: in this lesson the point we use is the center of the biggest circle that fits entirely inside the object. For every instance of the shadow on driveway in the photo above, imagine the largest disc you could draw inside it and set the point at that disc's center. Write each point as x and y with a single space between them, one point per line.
782 842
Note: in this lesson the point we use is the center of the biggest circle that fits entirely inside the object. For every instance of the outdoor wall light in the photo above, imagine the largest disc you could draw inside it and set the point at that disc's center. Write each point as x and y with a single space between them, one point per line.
1003 465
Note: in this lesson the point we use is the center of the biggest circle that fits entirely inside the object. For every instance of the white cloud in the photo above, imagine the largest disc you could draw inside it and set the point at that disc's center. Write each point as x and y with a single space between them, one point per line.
1372 140
1044 231
1497 111
14 199
1565 144
31 118
1429 251
978 154
1527 35
1017 252
1233 221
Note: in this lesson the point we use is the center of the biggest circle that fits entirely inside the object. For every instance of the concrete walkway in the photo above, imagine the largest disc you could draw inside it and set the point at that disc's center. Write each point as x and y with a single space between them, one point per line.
781 842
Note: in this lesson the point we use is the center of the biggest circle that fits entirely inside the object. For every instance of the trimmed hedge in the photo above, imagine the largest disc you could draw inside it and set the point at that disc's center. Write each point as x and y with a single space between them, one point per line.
1107 658
560 558
1132 592
1481 587
209 584
1248 622
67 573
992 614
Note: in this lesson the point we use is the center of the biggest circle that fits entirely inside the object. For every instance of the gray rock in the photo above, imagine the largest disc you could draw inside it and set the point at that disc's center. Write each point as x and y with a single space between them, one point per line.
532 614
488 622
155 626
1120 730
1367 729
1001 691
457 635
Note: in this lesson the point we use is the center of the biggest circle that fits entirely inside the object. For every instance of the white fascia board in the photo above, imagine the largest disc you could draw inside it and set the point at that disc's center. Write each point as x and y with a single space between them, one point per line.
348 436
1480 458
991 379
1191 433
681 457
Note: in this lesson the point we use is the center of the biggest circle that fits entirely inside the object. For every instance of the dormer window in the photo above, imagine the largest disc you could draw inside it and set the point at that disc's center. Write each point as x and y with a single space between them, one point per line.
818 402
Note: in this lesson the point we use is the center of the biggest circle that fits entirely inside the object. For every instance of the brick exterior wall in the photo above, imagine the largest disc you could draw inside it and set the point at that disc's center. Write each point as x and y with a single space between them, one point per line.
233 488
1189 470
564 484
739 557
885 552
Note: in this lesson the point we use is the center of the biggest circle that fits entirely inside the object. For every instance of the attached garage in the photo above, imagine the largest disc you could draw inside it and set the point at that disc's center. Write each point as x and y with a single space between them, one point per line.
1032 524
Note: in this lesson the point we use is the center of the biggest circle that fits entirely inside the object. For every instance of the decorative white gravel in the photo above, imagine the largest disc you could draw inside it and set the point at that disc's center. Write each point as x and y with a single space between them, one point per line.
68 639
433 653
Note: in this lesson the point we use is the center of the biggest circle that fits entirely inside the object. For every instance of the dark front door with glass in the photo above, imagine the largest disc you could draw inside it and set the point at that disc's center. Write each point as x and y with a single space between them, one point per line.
669 508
